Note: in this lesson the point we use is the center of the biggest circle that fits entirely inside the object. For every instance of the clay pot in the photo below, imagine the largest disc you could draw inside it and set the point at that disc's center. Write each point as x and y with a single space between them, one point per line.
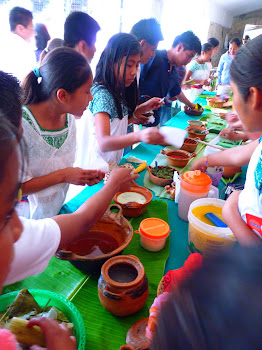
230 171
178 158
123 285
134 209
196 123
111 234
158 180
215 102
190 111
189 145
192 134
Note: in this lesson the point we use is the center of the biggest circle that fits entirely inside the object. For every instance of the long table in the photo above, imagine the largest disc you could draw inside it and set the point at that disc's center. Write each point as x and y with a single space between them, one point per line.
63 278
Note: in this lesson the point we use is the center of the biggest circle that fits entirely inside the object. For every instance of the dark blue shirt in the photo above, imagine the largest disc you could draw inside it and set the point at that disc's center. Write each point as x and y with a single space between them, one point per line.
156 79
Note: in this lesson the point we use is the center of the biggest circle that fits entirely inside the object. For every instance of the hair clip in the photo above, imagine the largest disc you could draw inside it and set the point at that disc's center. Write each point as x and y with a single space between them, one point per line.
37 74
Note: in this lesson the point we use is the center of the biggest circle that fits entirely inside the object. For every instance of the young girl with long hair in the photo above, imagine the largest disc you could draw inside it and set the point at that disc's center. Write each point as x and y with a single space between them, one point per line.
114 105
53 95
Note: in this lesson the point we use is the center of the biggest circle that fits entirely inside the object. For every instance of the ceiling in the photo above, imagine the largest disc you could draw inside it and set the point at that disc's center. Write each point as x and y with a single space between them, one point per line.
239 7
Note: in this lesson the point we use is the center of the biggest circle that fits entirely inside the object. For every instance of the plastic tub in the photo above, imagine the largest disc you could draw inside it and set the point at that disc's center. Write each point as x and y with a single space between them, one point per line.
204 238
153 234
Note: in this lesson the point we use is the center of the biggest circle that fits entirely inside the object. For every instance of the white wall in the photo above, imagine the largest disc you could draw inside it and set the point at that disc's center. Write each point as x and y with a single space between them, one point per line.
217 14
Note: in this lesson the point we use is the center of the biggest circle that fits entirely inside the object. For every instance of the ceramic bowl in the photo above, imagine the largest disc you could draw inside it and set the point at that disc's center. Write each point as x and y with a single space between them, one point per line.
192 132
215 102
189 145
178 158
107 238
134 209
195 123
158 180
230 171
190 111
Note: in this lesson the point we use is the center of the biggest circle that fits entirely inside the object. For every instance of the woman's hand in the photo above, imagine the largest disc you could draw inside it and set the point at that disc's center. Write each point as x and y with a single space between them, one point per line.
199 164
153 103
122 178
228 134
57 335
233 120
78 176
152 136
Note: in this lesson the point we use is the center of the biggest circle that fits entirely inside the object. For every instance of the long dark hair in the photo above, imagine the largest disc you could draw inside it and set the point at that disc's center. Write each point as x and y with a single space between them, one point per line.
62 68
119 46
246 68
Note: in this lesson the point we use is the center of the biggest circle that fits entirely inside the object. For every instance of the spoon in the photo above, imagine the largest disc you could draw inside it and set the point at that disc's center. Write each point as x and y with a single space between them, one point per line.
156 166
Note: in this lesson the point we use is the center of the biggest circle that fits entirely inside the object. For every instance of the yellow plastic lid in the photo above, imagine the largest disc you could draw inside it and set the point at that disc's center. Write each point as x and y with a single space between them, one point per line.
154 228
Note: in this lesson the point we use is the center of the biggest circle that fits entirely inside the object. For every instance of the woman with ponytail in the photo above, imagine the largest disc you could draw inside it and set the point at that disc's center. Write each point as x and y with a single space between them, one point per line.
54 95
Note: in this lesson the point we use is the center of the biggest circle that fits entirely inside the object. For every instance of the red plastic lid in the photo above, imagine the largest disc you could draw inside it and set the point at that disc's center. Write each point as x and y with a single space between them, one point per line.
196 181
154 228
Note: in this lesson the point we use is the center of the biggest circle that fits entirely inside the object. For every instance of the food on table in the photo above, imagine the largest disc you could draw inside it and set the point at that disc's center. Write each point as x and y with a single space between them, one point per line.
199 213
164 172
198 110
23 308
127 197
228 143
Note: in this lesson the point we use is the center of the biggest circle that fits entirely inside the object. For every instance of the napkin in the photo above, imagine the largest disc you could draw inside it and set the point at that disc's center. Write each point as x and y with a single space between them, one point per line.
173 136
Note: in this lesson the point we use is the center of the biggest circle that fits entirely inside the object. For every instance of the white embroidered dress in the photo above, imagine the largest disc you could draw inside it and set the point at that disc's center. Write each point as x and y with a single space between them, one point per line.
47 151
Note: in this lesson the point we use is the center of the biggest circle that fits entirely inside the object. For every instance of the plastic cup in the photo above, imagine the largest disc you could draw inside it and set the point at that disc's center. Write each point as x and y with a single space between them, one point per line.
215 173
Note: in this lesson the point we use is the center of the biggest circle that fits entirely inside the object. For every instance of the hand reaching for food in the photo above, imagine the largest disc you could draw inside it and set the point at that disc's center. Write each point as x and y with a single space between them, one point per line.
122 178
152 136
78 176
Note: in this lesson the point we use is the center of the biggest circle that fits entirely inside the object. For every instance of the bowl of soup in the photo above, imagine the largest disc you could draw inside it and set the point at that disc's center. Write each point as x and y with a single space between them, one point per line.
107 238
134 201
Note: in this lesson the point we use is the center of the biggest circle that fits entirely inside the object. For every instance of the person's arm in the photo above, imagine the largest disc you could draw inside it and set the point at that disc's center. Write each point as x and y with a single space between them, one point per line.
188 75
139 118
182 98
73 225
219 70
108 143
235 156
243 233
76 176
232 135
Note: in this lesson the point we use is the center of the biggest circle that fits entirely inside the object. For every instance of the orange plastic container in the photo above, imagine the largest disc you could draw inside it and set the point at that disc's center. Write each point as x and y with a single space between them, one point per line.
194 185
153 234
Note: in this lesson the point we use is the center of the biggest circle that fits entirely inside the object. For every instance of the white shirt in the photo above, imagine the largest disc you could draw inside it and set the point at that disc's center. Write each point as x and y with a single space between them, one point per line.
17 56
250 199
34 249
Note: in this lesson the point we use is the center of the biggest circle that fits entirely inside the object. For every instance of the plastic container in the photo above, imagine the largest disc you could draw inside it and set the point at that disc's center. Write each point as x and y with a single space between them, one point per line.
153 234
207 239
66 306
193 185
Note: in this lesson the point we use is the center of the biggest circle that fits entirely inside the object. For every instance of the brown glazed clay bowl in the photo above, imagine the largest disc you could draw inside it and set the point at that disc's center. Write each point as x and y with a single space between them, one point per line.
178 158
189 145
190 111
107 238
194 132
215 102
134 209
230 171
158 180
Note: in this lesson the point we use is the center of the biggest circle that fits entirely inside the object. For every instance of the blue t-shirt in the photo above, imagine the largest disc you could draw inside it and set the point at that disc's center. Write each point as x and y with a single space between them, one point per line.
156 79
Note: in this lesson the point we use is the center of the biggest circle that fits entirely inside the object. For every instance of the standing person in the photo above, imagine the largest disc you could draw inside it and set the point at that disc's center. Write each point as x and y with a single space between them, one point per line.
18 57
159 76
223 76
108 120
53 95
41 38
197 69
245 39
51 45
215 44
80 31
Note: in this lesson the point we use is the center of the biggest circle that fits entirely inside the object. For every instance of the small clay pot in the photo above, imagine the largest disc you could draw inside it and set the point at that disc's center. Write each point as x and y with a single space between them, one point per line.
230 171
123 285
190 111
134 209
195 123
192 134
189 145
178 158
158 180
136 335
215 102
